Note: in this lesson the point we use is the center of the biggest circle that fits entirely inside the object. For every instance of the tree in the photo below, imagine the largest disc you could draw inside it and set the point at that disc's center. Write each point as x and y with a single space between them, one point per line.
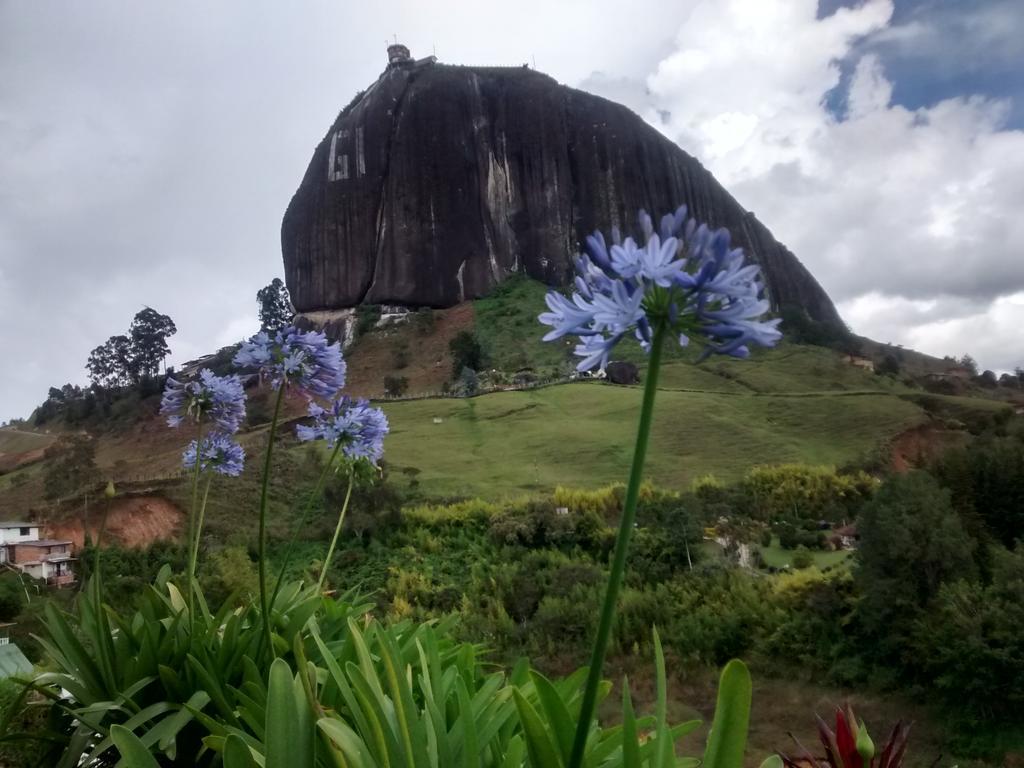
466 353
911 543
112 364
123 360
73 470
275 305
890 366
969 363
971 645
148 335
988 379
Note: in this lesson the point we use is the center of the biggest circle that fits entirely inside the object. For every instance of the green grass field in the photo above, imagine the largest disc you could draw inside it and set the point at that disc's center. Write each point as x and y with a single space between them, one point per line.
17 441
512 443
777 557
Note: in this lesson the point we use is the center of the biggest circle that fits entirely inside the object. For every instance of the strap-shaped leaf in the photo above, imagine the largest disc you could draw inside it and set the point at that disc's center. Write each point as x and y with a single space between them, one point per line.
289 734
236 753
543 753
133 752
630 738
558 714
728 738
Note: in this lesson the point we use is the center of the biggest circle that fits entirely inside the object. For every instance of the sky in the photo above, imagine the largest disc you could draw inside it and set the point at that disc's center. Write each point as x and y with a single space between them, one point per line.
150 149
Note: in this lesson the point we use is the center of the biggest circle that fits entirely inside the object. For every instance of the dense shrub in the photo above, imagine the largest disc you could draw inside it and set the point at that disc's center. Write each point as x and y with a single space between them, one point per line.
806 492
911 543
971 645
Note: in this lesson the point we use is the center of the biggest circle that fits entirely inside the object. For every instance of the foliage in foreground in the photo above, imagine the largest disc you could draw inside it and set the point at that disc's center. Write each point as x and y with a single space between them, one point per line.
163 686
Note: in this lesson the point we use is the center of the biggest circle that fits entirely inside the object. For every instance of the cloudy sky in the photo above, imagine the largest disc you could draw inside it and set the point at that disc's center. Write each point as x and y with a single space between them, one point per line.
150 149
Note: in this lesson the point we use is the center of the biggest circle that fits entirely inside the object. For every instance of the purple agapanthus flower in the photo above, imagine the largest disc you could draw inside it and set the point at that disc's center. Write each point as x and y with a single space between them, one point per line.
217 398
219 453
358 427
305 360
685 275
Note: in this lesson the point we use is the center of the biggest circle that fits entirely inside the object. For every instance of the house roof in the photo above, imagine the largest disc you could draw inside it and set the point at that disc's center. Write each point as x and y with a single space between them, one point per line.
44 543
15 524
13 661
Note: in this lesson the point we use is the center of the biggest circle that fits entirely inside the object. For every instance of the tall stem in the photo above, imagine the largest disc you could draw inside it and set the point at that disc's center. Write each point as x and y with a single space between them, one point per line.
192 510
611 596
194 553
99 540
337 529
262 546
302 521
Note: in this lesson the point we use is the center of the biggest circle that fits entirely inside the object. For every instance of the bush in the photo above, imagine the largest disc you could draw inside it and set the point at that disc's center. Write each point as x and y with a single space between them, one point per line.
230 573
367 316
802 558
12 596
395 386
400 357
423 321
805 492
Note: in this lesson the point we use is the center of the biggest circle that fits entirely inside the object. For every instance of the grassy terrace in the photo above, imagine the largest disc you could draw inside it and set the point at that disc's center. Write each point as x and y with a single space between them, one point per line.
517 442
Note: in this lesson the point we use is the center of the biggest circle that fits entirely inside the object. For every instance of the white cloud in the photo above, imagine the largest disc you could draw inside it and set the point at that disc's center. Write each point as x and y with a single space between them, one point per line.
888 207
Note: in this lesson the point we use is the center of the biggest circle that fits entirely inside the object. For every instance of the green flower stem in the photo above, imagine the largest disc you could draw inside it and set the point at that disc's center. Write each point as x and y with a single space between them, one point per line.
302 521
194 553
262 545
337 530
99 539
192 509
611 596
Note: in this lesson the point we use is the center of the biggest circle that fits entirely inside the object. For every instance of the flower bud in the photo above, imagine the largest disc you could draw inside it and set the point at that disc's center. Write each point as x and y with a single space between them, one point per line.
865 747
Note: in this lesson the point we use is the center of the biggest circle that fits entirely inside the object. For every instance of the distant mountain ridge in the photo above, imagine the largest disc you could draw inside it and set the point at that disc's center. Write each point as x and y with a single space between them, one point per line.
439 181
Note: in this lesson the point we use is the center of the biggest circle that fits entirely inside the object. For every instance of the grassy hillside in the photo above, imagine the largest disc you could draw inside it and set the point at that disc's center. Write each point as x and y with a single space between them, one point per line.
795 403
19 441
582 434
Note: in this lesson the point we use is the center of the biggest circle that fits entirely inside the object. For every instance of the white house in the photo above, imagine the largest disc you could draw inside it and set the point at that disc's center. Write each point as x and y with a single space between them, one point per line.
15 533
47 559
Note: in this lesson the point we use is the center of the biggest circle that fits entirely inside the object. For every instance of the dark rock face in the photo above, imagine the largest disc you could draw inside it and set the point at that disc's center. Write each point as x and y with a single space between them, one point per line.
621 372
439 181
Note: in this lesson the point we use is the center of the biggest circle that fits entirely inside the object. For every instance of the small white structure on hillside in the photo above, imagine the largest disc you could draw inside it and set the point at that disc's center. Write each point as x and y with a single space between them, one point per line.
47 559
15 533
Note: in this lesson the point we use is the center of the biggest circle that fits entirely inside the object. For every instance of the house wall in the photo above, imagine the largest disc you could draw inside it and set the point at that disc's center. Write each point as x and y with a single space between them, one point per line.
22 553
14 535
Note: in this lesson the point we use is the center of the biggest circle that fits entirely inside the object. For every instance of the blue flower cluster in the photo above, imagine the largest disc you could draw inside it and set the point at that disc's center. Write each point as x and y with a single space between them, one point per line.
219 453
302 359
685 276
359 428
217 398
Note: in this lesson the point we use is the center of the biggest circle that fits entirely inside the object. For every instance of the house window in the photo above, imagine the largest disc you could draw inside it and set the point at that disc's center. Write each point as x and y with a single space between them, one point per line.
25 531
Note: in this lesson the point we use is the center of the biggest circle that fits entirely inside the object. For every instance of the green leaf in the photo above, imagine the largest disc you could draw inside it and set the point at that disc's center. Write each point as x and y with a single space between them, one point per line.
665 754
236 753
538 741
630 738
347 740
728 738
557 713
289 736
133 752
772 761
